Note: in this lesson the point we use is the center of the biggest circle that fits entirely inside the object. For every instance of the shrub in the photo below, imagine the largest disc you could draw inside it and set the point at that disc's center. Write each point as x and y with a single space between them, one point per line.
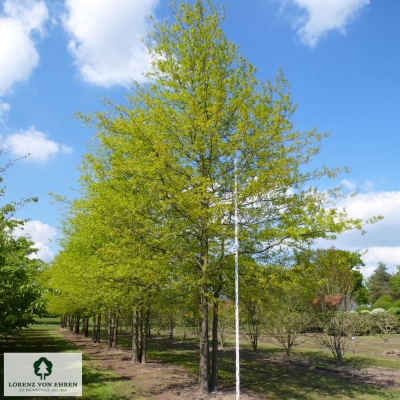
378 311
383 302
363 308
396 303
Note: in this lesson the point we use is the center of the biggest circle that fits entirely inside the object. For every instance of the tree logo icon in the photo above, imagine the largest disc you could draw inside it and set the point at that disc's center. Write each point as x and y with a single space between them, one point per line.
43 368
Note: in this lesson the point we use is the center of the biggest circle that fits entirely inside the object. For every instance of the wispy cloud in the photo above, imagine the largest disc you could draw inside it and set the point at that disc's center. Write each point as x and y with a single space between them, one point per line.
105 39
4 107
321 16
18 55
34 143
351 185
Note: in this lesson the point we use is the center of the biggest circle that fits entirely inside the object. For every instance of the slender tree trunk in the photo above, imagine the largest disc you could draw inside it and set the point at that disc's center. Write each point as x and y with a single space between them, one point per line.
94 329
77 318
72 322
204 366
144 339
171 329
115 338
214 357
86 333
98 328
85 326
135 337
110 328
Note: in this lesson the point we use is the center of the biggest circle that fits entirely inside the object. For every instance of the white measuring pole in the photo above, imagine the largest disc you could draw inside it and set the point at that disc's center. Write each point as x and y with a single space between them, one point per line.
237 288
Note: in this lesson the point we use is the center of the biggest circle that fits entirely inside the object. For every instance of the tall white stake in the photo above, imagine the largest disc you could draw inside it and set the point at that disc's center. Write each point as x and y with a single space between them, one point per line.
237 287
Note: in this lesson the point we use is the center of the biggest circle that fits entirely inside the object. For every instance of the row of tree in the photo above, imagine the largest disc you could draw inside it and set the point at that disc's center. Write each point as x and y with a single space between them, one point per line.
154 223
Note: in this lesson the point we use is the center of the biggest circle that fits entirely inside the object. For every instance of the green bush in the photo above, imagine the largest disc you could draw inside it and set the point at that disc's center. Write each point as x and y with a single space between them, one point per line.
396 303
384 301
363 308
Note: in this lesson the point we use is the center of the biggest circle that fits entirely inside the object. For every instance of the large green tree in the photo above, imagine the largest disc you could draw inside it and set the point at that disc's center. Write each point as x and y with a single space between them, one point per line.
170 154
20 292
379 282
395 283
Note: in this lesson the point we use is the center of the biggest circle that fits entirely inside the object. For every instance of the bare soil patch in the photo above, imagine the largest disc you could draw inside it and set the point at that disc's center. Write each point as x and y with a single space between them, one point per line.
162 381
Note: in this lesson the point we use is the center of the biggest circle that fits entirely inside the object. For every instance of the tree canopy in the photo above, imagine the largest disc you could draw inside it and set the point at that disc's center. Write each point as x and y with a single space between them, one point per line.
20 292
379 282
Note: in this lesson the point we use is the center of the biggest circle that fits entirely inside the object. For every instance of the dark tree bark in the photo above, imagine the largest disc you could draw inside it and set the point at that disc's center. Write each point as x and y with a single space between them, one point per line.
136 358
72 322
77 318
204 367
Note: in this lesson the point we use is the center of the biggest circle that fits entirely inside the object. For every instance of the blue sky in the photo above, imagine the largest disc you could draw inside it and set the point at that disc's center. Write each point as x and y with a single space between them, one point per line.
341 58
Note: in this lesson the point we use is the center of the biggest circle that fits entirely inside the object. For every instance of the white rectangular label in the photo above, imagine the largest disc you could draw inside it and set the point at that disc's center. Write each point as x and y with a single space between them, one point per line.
42 374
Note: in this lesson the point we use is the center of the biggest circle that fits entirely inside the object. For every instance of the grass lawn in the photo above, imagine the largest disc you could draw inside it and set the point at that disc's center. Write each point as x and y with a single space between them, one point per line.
259 372
98 383
47 321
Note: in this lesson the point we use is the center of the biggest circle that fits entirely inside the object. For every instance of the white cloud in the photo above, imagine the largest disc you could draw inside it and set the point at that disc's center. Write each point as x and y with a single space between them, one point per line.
351 185
382 239
387 255
105 39
322 16
18 55
368 185
40 234
34 143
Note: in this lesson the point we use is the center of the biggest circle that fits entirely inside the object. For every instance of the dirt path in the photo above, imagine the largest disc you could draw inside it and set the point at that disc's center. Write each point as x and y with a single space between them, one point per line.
162 381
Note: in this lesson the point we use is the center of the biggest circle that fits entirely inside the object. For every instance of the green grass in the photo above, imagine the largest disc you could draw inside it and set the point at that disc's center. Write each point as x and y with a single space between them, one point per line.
279 382
47 321
258 371
276 382
98 383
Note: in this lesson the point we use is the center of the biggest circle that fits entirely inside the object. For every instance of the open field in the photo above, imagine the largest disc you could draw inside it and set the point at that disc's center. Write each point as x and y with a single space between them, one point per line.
268 373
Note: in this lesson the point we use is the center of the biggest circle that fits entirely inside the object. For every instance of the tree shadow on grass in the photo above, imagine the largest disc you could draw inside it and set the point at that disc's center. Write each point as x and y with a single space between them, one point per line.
42 340
280 382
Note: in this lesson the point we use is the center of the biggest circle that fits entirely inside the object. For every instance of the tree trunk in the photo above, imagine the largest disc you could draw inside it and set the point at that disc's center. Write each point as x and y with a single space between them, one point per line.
86 333
111 328
214 357
144 339
204 366
115 339
72 321
135 337
171 329
98 328
85 326
77 318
